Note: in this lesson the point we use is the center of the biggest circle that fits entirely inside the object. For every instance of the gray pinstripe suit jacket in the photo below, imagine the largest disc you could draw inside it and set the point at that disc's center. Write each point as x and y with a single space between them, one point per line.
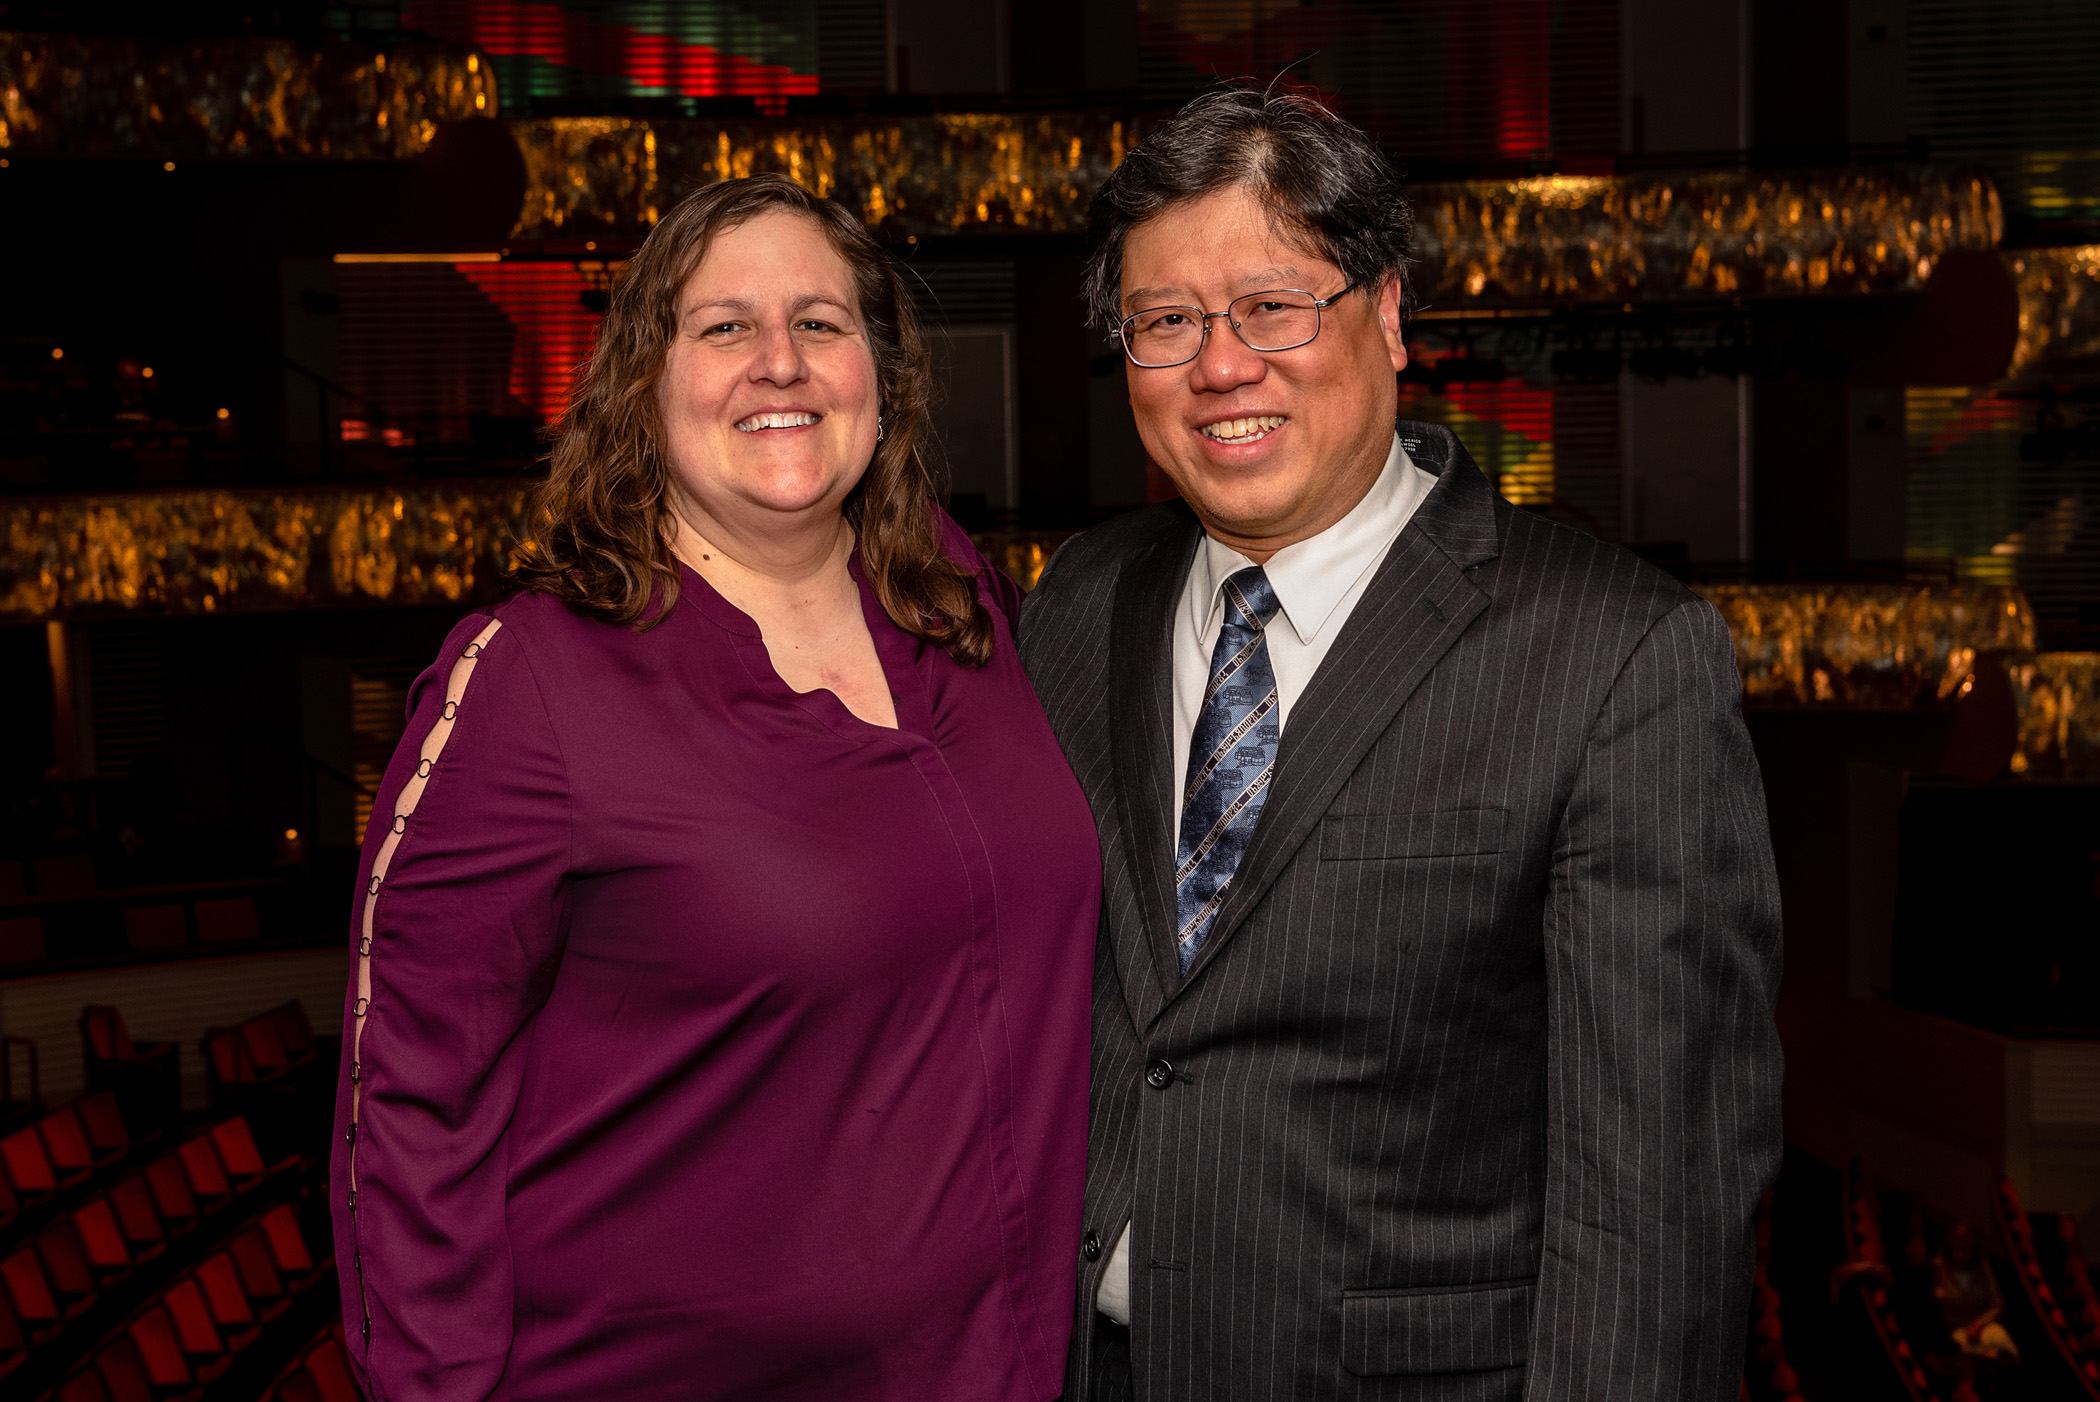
1475 1084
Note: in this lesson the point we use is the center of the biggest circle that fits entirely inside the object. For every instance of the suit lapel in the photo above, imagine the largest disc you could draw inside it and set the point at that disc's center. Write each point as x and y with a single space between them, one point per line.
1141 709
1415 608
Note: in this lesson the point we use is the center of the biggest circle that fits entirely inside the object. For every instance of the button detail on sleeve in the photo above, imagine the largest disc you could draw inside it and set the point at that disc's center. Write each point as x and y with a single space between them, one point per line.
1159 1075
1091 1247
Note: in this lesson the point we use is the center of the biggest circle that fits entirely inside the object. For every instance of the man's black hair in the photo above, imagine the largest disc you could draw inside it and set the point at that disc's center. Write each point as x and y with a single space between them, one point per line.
1322 179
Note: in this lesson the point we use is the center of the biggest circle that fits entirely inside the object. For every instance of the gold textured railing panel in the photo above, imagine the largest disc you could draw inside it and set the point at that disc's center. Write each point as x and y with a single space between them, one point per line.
907 175
1635 238
2059 310
2058 694
1867 646
187 552
221 99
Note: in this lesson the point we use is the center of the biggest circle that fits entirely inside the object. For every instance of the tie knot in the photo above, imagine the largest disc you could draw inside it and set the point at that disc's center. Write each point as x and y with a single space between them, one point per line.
1250 600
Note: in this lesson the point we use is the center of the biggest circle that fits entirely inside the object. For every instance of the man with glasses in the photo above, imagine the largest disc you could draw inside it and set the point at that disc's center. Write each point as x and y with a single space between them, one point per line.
1433 1053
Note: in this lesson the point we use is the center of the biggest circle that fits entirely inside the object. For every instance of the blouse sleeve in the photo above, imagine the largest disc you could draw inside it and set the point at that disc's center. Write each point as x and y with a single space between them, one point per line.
456 937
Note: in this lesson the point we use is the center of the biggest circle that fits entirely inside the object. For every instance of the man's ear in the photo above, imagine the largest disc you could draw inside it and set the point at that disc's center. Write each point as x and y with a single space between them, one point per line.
1389 322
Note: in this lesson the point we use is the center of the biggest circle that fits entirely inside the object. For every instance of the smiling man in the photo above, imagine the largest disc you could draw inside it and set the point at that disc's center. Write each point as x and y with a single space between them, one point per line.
1433 1044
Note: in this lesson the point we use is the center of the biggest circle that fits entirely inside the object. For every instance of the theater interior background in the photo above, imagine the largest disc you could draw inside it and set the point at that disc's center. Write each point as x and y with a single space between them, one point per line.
1800 299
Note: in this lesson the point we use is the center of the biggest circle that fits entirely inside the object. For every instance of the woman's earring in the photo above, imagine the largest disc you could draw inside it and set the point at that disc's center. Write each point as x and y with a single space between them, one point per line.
878 428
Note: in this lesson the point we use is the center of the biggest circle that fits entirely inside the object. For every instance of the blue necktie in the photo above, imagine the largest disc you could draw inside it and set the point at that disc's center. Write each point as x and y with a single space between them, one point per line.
1232 755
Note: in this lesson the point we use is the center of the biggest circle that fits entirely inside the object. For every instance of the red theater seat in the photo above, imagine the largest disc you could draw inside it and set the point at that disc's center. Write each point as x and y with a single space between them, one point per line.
66 1266
66 1142
287 1243
295 1031
194 1327
267 1057
172 1197
329 1367
206 1174
103 1123
132 1201
102 1236
123 1372
237 1151
159 1351
83 1387
29 1293
28 1166
221 1283
13 1338
258 1269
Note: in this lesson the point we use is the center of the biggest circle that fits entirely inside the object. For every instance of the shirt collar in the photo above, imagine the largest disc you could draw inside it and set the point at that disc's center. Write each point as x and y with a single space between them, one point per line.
1313 576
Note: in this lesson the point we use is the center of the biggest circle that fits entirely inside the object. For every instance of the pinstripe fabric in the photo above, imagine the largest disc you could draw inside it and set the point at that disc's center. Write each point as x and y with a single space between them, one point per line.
1475 1081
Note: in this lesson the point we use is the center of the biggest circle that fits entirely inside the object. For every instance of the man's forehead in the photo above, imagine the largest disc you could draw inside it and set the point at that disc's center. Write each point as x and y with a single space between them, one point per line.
1174 289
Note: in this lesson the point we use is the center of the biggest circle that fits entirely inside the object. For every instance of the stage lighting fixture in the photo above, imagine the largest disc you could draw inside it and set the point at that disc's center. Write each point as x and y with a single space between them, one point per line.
147 373
225 413
167 165
58 353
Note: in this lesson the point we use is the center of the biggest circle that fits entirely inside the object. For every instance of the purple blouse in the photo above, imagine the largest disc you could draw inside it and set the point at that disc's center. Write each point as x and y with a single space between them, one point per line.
706 1041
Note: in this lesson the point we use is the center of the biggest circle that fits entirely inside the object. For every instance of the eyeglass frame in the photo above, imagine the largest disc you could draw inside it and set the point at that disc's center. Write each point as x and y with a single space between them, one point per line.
1319 305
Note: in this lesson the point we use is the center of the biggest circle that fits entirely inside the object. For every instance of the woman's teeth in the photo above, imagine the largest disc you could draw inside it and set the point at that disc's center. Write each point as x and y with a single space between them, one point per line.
759 421
1243 430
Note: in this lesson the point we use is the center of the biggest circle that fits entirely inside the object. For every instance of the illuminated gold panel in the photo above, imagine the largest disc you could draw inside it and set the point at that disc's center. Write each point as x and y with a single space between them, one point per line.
213 551
1631 238
1867 646
219 99
2059 700
909 175
2059 310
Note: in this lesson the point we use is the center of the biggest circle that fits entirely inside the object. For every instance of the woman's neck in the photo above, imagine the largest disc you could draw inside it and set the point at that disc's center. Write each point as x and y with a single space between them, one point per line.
788 566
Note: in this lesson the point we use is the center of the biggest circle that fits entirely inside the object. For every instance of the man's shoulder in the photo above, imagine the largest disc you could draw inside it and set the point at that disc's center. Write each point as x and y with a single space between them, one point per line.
1088 563
1562 569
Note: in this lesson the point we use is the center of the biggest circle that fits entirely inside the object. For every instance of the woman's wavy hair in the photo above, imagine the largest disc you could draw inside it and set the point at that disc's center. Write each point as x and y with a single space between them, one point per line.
602 542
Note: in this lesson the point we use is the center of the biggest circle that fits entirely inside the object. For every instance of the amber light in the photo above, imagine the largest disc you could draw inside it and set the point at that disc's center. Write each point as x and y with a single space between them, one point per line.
225 413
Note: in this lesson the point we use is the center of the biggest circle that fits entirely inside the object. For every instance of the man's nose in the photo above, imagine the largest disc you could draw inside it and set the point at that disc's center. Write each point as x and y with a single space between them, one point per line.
1224 363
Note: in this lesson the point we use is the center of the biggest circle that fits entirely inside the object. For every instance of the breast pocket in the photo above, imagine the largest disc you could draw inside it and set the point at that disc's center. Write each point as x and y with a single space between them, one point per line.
1444 832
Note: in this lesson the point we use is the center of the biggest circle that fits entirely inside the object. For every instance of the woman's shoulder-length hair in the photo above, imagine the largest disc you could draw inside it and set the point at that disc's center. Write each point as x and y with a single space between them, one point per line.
600 539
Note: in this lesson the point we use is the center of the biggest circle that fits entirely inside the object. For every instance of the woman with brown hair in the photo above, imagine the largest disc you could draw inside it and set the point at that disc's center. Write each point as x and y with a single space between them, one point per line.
723 952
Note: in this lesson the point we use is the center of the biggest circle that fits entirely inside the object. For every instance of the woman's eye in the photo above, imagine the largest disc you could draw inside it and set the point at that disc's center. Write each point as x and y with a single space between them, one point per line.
815 328
724 328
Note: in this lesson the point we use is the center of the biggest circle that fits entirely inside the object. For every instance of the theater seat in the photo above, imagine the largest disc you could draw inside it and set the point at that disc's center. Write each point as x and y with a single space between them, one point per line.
143 1075
132 1201
160 1352
195 1329
200 1161
297 1387
172 1197
66 1143
287 1242
83 1387
27 1166
123 1372
102 1120
66 1266
29 1294
329 1367
102 1236
258 1271
221 1284
237 1152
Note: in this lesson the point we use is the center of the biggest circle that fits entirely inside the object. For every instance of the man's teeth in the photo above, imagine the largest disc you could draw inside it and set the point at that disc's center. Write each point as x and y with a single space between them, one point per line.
759 421
1243 430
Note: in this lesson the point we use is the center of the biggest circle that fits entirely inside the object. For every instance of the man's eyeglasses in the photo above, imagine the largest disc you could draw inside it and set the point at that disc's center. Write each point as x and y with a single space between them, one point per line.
1158 338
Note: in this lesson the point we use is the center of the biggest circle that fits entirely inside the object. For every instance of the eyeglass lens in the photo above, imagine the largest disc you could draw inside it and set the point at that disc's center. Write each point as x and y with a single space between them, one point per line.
1267 321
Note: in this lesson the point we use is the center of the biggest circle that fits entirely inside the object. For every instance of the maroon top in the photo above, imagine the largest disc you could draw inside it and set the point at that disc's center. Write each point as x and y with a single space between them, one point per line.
719 1044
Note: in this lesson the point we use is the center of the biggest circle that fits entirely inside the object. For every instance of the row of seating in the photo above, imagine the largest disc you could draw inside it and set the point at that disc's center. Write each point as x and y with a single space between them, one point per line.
1867 1269
1768 1361
97 1244
145 1077
59 1151
191 1331
2018 1231
161 925
321 1373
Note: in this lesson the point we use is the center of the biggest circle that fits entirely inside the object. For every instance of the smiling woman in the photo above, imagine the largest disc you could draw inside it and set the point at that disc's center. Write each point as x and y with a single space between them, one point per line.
611 509
725 936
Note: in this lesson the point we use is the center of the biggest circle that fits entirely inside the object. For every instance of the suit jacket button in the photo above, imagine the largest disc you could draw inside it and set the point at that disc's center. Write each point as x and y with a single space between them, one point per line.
1091 1247
1159 1075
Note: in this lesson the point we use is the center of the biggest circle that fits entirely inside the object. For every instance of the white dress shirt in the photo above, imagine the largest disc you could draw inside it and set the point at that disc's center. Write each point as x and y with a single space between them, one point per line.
1317 583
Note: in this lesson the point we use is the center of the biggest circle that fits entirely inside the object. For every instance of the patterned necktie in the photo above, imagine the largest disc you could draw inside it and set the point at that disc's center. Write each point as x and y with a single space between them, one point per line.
1231 757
